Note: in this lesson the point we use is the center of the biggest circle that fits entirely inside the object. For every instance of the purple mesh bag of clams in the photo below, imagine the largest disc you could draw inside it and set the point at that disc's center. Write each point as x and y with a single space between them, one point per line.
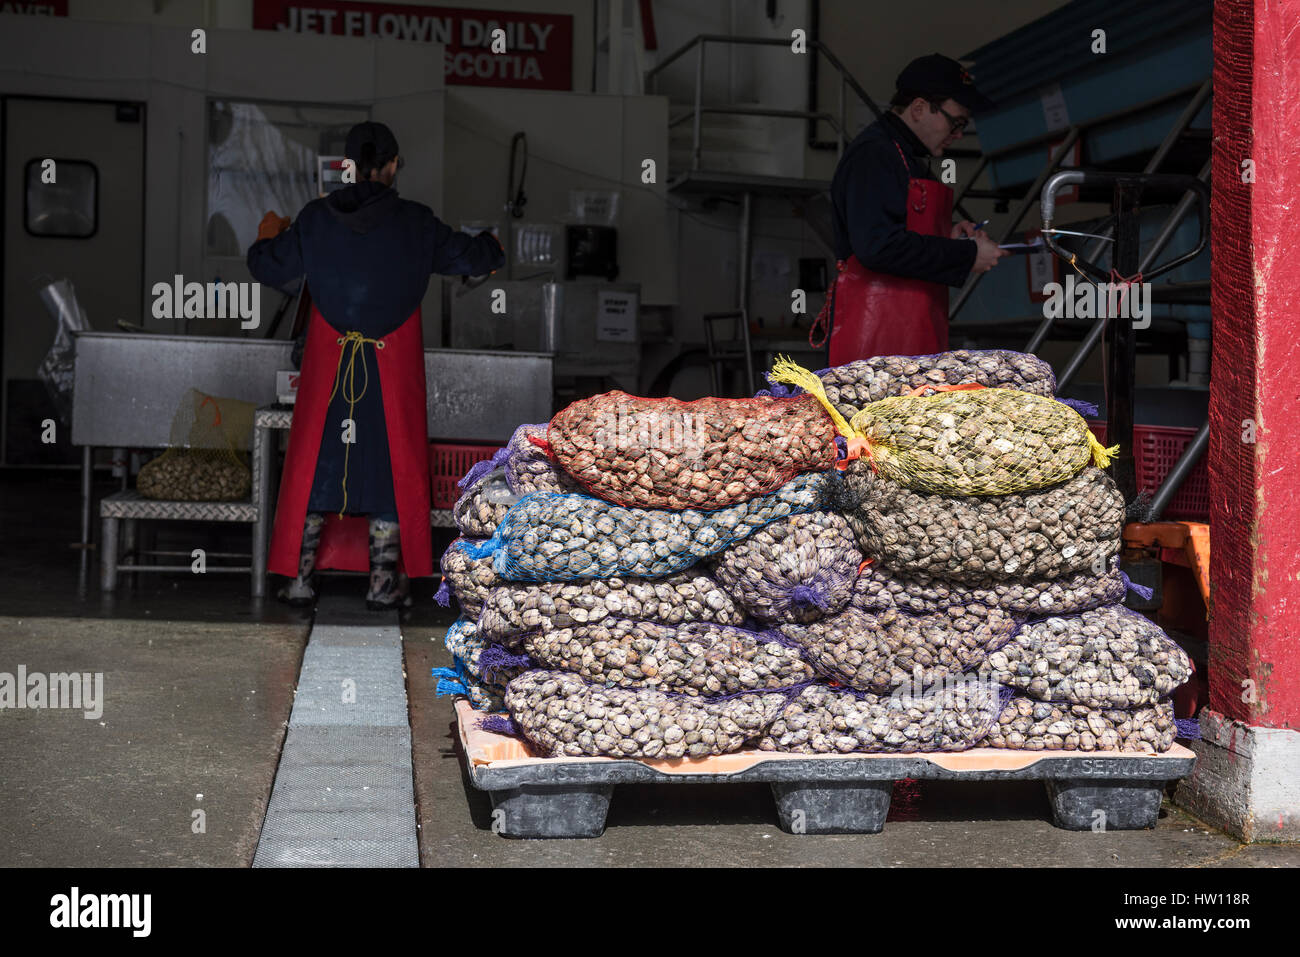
880 651
1029 725
563 715
798 569
529 469
697 658
825 720
876 588
486 500
1106 658
469 579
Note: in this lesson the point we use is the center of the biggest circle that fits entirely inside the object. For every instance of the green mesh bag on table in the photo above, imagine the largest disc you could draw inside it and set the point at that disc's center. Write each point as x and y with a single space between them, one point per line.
205 461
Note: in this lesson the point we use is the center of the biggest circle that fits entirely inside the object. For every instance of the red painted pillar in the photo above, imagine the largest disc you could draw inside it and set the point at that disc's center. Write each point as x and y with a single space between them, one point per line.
1255 379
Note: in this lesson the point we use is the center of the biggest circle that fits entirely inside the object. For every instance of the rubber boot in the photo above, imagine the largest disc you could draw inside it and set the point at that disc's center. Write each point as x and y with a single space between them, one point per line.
301 592
389 588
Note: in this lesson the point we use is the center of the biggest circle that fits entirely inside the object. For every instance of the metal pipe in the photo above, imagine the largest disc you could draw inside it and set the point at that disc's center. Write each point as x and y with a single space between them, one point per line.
854 85
746 231
699 95
1182 468
1162 239
654 71
1174 221
614 57
762 111
752 111
1157 159
1121 343
1180 125
184 569
814 70
1030 198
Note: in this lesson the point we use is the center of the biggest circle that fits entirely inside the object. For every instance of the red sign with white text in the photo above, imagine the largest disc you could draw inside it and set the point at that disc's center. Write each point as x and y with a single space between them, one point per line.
538 51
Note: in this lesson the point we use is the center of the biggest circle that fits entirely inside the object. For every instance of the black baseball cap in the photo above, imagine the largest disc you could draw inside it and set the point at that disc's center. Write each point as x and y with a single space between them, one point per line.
941 76
368 143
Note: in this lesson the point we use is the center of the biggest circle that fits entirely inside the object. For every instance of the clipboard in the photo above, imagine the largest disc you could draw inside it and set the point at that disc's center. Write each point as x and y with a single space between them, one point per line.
1025 249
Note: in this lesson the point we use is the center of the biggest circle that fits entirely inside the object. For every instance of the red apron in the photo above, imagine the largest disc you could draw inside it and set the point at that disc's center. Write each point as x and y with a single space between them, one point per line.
874 314
344 541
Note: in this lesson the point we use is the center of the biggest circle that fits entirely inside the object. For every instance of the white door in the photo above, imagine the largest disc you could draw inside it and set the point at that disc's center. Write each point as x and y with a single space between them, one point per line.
88 225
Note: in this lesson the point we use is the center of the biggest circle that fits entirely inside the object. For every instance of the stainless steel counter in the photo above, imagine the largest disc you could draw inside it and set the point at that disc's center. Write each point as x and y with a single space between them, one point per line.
128 386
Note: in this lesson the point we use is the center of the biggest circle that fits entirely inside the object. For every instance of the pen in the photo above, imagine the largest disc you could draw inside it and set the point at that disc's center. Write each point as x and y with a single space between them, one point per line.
982 225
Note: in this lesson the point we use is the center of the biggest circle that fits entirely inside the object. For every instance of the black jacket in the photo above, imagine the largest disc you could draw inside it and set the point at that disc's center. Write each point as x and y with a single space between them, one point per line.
367 255
869 196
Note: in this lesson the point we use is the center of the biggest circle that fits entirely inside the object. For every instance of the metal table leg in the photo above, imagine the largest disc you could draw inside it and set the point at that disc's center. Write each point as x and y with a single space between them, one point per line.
262 499
108 554
87 458
130 545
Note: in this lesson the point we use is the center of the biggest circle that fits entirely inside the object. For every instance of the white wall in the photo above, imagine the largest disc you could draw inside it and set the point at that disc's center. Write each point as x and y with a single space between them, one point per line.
400 83
588 141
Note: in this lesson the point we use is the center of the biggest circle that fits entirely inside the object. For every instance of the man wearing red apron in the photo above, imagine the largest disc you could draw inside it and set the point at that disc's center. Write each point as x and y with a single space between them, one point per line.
355 492
897 248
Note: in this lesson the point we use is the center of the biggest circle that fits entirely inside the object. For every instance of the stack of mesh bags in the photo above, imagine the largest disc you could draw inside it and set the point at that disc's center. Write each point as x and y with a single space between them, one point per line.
584 562
835 567
991 536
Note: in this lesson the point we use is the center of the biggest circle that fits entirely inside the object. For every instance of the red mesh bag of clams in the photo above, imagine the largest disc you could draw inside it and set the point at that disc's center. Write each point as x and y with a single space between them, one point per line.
706 454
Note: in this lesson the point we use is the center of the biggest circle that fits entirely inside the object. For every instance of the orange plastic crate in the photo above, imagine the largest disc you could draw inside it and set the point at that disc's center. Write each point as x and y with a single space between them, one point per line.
448 464
1155 450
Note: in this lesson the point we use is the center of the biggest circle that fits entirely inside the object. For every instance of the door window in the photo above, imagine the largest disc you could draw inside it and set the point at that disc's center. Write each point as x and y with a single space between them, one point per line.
61 198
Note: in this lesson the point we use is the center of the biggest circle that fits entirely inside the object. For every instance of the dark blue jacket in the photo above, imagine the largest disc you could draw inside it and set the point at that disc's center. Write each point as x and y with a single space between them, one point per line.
367 255
869 196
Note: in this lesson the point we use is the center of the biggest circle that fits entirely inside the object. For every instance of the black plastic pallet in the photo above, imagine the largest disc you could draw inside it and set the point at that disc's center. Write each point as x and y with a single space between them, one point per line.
819 794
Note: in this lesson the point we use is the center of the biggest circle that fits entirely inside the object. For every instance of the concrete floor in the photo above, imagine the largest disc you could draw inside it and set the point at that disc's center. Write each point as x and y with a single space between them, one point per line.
198 683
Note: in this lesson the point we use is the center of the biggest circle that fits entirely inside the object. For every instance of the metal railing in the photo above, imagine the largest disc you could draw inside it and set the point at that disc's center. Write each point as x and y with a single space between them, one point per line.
1094 335
721 351
1200 93
837 121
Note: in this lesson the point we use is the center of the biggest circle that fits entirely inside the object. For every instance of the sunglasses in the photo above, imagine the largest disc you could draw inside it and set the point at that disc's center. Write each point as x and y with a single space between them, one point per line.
956 124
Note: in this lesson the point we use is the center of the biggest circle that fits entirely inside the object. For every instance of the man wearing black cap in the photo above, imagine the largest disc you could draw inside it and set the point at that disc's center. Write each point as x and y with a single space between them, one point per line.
358 445
897 247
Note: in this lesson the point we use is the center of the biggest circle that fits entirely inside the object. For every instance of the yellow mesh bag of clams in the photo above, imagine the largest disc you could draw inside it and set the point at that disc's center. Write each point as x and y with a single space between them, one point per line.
963 440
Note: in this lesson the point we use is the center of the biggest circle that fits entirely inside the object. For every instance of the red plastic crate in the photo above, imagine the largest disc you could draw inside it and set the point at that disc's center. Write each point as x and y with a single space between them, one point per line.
1155 450
448 464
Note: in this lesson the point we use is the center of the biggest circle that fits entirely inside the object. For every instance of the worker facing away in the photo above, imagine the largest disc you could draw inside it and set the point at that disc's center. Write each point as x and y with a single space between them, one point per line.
896 245
357 464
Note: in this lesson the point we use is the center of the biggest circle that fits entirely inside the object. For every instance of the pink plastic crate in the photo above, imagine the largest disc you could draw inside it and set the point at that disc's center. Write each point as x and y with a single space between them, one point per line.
1155 450
448 464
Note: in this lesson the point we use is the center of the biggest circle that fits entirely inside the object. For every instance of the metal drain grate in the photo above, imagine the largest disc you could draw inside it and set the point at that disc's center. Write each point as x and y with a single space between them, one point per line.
343 793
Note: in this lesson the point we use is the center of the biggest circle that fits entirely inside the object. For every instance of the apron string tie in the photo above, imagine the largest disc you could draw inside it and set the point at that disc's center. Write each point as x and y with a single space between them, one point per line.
352 342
